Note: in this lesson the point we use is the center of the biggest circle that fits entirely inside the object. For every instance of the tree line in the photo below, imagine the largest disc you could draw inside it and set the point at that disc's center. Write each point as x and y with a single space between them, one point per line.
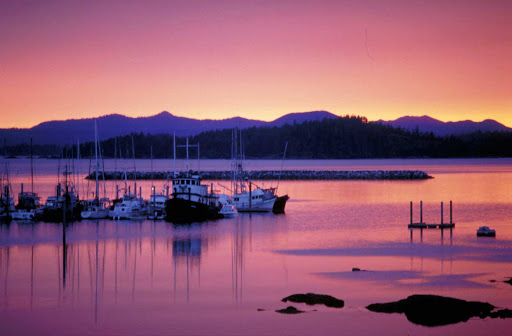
348 137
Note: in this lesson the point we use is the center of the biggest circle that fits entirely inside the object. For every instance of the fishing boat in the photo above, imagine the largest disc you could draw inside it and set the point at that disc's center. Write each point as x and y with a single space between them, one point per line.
191 201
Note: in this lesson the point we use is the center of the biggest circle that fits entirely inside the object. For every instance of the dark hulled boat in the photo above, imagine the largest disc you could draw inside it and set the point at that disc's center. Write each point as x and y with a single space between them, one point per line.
191 201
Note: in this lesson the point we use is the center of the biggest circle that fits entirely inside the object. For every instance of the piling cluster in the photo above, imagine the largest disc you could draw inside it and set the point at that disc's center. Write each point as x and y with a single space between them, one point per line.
278 174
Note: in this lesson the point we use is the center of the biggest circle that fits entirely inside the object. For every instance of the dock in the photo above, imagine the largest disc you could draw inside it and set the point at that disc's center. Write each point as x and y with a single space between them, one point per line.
422 225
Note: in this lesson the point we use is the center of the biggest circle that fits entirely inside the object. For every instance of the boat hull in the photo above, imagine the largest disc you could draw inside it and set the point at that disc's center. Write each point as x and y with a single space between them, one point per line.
57 215
23 215
180 210
280 204
263 206
94 214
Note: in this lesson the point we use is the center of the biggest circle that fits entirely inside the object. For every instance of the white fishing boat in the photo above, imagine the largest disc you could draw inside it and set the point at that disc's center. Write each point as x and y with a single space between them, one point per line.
247 196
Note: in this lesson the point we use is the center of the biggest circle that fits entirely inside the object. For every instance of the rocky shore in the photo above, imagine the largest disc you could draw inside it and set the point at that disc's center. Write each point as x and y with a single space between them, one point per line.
283 175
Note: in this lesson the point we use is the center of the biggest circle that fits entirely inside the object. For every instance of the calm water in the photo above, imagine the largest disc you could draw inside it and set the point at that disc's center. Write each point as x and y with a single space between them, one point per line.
154 278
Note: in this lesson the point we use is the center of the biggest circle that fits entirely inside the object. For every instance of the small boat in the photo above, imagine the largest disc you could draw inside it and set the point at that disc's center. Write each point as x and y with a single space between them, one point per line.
485 231
6 205
28 206
228 209
53 210
156 205
95 209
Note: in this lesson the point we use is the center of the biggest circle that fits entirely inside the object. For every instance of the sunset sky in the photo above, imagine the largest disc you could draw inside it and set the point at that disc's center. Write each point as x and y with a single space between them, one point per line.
217 59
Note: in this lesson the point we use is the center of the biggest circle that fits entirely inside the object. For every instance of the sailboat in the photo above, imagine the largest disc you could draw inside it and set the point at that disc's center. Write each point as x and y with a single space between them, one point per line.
156 204
6 204
247 196
64 205
129 206
28 202
96 208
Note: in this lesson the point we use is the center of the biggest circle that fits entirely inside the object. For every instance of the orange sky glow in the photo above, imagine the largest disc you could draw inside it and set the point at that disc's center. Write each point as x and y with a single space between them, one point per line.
255 59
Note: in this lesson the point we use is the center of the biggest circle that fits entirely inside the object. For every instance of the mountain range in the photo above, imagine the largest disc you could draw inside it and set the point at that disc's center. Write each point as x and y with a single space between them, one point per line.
61 132
440 128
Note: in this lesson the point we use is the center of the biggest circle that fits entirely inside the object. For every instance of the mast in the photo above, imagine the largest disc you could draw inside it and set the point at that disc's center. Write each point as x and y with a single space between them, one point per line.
282 164
187 165
96 153
78 167
134 168
31 168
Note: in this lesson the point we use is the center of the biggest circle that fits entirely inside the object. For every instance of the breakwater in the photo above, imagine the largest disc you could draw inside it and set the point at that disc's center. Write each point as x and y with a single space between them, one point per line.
283 175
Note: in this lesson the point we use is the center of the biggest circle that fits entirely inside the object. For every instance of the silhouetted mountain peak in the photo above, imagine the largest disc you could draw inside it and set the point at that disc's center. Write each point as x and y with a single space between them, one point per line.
428 124
69 131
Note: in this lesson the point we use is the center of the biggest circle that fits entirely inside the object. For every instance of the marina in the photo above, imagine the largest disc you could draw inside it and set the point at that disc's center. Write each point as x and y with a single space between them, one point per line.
106 270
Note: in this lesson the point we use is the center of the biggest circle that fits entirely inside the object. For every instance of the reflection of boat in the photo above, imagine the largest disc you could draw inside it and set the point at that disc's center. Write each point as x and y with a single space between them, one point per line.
485 231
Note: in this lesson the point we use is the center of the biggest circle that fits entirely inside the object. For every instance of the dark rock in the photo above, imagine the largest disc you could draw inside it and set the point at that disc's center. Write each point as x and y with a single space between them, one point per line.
289 310
509 281
313 299
355 269
261 309
492 280
433 310
502 313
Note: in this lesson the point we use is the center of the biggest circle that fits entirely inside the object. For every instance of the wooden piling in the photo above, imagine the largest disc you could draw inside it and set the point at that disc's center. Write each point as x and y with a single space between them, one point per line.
411 212
441 213
451 221
421 211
